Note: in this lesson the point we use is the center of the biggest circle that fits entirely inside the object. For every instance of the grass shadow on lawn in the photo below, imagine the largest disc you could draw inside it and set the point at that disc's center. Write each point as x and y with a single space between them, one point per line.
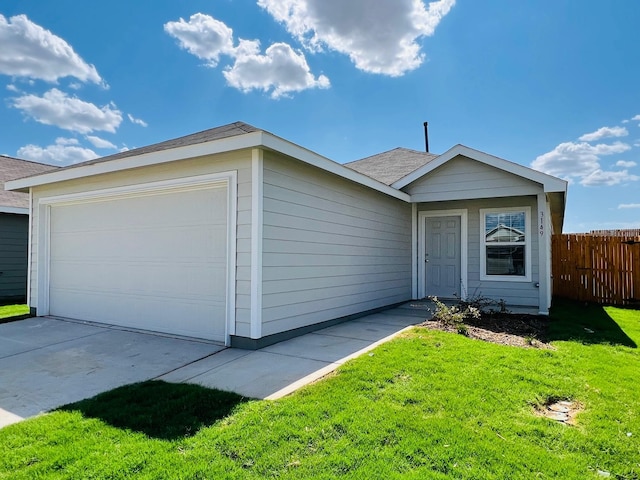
585 323
166 411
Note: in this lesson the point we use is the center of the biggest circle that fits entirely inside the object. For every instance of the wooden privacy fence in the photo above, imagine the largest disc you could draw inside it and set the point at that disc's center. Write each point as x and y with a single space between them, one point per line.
596 268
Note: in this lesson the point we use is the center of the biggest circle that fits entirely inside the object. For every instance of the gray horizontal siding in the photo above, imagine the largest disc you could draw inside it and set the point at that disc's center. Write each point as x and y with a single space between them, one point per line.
513 293
14 237
236 161
330 247
463 178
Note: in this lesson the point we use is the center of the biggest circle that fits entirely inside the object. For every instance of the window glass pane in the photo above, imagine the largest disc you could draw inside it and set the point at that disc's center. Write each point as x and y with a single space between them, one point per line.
505 227
506 260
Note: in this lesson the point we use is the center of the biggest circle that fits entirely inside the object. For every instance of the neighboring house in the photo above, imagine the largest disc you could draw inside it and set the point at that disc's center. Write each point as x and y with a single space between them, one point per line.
14 229
236 235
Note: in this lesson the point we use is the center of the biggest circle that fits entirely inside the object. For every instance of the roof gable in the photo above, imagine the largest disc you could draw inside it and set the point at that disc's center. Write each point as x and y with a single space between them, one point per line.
463 178
549 183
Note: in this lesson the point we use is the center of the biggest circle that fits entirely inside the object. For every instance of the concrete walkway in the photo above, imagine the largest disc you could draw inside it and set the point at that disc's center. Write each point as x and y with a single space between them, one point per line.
49 362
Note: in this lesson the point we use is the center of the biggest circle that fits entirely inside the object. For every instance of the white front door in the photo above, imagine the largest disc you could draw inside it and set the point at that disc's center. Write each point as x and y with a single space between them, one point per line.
442 256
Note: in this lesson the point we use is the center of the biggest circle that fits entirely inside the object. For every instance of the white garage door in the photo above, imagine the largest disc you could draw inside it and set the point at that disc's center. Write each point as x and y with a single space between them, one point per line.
156 261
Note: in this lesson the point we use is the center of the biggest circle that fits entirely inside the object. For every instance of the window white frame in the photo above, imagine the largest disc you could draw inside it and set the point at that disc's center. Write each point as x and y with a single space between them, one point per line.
527 245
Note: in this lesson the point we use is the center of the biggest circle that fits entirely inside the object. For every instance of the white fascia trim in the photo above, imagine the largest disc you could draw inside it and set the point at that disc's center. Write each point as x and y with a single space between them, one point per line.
464 248
550 183
238 142
307 156
257 205
16 210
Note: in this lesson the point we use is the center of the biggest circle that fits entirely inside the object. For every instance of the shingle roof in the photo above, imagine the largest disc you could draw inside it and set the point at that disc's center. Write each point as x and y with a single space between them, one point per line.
12 168
225 131
389 167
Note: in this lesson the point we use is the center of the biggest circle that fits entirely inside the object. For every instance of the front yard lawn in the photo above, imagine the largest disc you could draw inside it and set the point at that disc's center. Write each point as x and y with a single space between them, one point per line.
427 405
7 311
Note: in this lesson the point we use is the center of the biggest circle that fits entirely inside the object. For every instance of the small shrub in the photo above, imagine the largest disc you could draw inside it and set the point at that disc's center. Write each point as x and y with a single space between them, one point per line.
453 316
484 304
462 329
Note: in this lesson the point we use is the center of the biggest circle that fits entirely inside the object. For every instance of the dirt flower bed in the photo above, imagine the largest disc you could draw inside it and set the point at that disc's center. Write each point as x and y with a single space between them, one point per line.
518 330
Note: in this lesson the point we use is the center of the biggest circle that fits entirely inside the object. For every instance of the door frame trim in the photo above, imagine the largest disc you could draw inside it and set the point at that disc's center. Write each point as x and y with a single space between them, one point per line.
464 250
228 180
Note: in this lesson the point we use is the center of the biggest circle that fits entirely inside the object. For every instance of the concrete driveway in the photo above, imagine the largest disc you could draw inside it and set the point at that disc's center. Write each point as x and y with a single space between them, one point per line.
48 362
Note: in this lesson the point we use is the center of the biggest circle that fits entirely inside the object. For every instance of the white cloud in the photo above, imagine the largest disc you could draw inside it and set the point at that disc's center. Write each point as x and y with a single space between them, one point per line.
28 50
100 142
67 141
69 113
379 37
65 151
604 132
636 118
13 88
625 164
203 36
280 70
137 121
602 178
629 205
571 159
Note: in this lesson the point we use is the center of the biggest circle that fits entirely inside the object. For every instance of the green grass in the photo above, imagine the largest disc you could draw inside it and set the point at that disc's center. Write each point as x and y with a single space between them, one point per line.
13 310
428 405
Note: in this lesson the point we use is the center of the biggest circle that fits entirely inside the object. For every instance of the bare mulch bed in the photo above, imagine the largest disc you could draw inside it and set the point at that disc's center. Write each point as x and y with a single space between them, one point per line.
518 330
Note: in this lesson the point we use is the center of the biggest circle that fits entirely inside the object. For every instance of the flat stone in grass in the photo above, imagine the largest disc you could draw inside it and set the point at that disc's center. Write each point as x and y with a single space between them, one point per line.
563 411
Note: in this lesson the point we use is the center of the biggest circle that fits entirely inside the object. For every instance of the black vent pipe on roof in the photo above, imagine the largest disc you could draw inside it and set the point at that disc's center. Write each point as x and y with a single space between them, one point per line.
426 136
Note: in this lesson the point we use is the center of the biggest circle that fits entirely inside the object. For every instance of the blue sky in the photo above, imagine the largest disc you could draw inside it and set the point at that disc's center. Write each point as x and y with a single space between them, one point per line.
550 84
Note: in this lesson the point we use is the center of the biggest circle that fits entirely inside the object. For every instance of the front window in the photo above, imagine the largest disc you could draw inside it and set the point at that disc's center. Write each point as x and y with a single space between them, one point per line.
506 245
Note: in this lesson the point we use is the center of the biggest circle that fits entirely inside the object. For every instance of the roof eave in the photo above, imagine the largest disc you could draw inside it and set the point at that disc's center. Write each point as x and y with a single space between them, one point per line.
259 139
238 142
14 210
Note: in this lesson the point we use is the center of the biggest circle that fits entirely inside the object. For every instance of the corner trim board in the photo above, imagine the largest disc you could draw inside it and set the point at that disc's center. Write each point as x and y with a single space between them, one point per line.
257 205
414 251
29 246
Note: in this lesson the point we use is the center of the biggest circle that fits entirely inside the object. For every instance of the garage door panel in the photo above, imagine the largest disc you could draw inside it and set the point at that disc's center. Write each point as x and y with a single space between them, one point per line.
108 214
143 278
170 315
180 243
156 262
